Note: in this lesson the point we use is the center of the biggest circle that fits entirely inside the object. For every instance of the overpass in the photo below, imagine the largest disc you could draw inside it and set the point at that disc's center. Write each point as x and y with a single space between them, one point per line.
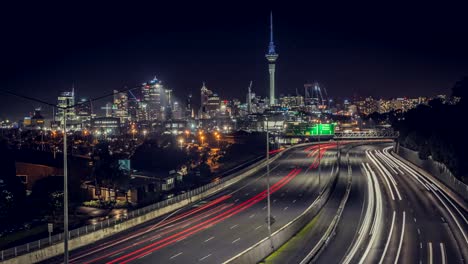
363 135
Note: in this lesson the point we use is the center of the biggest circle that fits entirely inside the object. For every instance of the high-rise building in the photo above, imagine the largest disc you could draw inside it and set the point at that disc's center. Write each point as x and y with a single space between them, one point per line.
205 94
188 106
271 56
152 93
177 111
64 106
120 106
83 110
133 105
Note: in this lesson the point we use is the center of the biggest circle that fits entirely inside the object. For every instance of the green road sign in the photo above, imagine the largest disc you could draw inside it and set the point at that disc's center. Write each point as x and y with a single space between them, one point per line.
323 129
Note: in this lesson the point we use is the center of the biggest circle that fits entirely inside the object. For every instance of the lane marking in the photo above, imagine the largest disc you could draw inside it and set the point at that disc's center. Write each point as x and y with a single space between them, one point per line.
156 237
388 239
294 201
442 253
430 253
286 208
235 240
176 255
145 255
204 257
419 231
252 215
401 238
209 239
258 227
115 255
234 226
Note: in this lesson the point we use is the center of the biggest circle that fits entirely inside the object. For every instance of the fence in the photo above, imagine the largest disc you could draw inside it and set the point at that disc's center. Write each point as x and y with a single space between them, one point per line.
58 238
438 170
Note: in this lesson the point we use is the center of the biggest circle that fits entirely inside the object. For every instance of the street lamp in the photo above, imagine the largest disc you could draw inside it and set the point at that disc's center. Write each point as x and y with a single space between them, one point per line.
268 184
65 189
202 139
181 141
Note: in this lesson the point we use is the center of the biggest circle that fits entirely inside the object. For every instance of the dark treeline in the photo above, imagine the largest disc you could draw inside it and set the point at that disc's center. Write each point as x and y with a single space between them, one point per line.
439 130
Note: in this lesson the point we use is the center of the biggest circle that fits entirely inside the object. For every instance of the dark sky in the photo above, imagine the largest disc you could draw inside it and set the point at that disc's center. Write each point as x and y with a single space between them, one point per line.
383 49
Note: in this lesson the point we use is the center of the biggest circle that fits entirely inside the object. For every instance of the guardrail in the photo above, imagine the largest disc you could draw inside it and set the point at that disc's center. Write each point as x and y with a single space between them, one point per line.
86 230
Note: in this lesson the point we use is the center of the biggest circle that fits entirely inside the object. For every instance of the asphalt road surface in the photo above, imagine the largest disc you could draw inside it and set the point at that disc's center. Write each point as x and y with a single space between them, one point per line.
218 228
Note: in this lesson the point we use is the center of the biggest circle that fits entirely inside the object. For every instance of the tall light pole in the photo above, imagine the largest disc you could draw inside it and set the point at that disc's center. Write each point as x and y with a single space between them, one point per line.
319 156
268 184
65 189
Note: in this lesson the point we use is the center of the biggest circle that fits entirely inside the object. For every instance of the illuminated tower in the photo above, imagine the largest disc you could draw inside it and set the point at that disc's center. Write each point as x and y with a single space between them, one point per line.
271 56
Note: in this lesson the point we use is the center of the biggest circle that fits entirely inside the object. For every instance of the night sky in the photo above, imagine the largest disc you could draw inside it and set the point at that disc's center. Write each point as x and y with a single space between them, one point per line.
383 49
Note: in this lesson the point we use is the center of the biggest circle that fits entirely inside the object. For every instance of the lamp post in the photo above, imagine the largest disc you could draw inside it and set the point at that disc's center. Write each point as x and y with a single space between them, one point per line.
319 156
65 189
268 184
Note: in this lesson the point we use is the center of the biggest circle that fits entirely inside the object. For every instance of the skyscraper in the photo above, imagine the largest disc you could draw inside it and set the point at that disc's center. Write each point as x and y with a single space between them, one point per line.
271 56
65 100
120 106
152 97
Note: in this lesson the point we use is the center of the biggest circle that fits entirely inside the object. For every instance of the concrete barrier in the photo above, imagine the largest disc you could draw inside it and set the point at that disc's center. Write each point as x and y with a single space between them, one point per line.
436 169
83 240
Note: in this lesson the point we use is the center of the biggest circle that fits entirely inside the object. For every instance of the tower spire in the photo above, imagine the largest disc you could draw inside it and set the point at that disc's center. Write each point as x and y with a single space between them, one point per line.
271 46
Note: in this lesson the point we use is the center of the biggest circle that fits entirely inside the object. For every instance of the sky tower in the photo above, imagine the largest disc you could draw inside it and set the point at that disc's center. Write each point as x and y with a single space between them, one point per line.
271 56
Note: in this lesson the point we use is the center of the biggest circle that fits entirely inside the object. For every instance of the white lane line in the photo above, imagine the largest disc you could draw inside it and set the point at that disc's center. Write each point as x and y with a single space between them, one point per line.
176 255
156 237
258 227
264 208
145 255
286 208
420 245
235 240
247 194
204 257
419 231
274 201
388 239
442 253
115 255
401 238
414 218
430 253
294 201
236 200
209 239
252 215
234 226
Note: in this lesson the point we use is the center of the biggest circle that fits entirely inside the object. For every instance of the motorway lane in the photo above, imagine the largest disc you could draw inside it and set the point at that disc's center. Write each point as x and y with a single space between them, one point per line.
223 227
296 249
353 213
423 230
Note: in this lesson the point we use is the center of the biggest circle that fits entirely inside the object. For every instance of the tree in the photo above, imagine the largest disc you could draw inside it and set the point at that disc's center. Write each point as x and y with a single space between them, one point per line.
12 190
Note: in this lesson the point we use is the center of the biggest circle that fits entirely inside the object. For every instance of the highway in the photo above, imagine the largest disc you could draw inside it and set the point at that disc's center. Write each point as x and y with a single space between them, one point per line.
218 228
404 217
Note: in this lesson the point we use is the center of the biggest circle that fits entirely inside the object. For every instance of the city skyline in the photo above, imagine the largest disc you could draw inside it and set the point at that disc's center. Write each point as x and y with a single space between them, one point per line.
107 66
